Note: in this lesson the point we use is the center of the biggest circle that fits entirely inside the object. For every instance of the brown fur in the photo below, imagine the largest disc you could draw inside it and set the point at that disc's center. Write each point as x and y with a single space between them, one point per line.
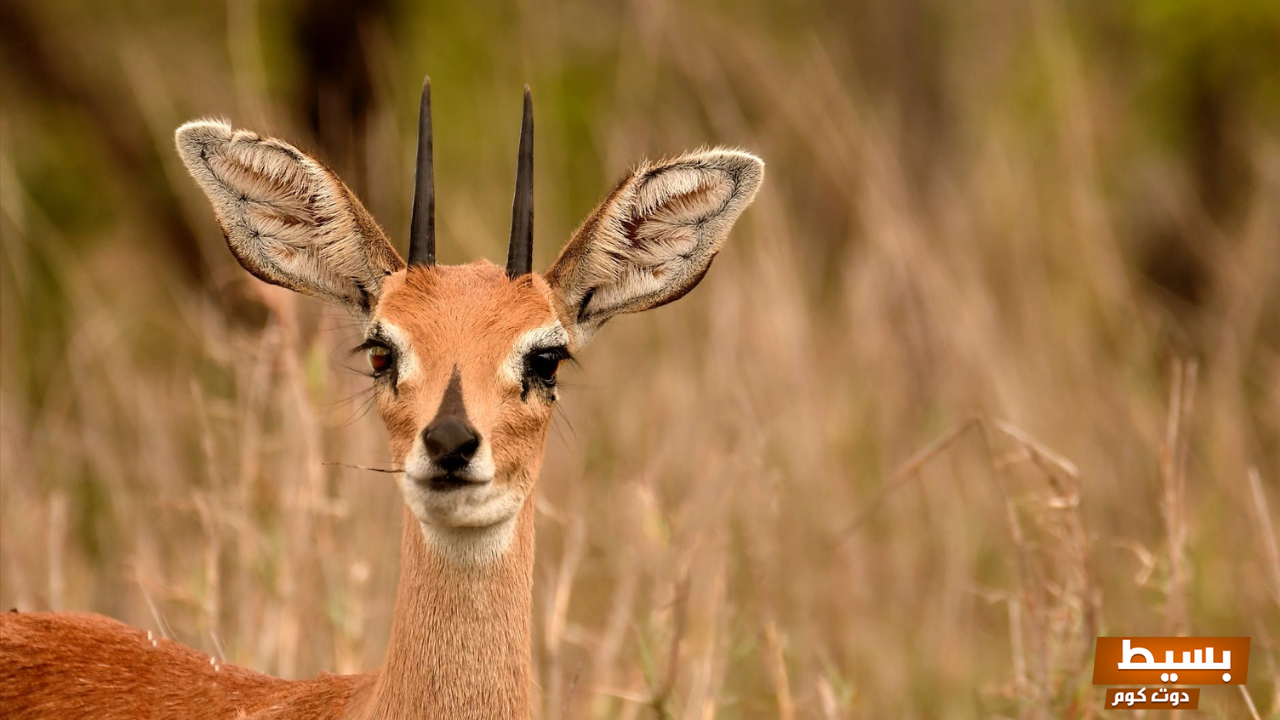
80 665
460 642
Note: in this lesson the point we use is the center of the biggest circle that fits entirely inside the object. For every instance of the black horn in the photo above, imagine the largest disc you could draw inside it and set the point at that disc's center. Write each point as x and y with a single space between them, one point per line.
422 227
520 252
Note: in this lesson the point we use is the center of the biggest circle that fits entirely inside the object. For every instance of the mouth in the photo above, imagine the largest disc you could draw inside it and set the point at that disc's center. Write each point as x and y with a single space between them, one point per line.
448 482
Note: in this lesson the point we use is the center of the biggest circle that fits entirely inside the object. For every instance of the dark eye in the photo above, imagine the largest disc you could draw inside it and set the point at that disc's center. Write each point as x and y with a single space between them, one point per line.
380 359
543 364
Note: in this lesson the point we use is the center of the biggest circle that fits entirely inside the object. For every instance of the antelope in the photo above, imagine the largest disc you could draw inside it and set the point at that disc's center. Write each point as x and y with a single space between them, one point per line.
464 362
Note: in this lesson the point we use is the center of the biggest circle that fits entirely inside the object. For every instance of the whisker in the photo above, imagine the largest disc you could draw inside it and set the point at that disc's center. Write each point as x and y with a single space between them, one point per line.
360 412
560 412
343 401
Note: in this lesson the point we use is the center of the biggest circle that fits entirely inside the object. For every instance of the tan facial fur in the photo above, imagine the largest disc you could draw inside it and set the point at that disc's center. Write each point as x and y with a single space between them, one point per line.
475 322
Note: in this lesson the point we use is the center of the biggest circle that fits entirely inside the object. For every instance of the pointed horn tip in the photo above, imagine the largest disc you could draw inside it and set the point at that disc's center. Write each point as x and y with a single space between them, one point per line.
422 239
520 251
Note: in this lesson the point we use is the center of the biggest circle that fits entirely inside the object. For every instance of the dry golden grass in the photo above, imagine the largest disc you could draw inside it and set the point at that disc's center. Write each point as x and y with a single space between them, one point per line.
924 432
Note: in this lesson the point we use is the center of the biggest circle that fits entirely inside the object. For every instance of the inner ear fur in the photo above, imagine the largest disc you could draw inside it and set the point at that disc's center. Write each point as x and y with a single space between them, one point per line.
653 238
286 217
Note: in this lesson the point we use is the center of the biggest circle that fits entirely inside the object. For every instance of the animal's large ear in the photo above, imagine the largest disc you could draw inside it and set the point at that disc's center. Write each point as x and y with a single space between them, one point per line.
653 238
287 218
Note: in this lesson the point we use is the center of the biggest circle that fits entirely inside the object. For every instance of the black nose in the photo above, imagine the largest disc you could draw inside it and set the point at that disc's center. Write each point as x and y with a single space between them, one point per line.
451 442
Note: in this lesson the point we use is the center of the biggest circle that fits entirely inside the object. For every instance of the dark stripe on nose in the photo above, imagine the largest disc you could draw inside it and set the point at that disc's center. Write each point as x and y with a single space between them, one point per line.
450 439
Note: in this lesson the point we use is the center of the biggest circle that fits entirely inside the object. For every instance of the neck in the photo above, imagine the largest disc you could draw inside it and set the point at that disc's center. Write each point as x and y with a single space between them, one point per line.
460 645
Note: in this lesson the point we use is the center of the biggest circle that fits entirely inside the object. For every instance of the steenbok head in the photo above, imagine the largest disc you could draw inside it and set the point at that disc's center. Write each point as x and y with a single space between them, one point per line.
464 358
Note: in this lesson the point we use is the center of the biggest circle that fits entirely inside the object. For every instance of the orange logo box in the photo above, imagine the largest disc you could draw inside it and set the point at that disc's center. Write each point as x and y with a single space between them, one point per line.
1171 660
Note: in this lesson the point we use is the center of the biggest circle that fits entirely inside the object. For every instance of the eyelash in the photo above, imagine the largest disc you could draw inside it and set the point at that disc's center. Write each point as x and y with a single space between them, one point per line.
367 347
556 355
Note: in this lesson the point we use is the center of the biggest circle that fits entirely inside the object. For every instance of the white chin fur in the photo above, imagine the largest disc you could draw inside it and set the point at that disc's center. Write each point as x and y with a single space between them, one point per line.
485 501
472 506
471 524
470 546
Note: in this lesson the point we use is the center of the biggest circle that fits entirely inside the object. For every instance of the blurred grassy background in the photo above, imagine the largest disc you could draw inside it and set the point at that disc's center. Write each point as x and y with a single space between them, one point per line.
991 367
